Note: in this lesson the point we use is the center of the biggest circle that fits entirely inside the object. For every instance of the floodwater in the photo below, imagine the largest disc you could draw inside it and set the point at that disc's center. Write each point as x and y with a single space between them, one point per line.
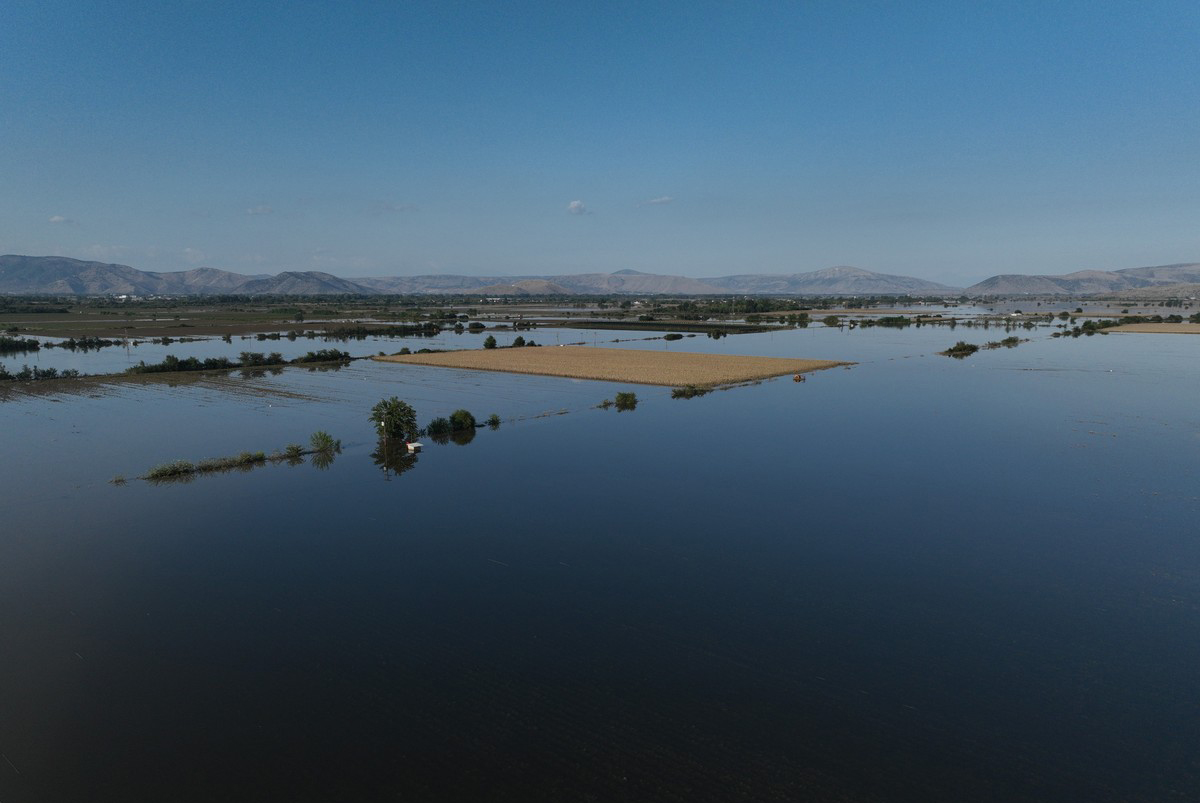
914 579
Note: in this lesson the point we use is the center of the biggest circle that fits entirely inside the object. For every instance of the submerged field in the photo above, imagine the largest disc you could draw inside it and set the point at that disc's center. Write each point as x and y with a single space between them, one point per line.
920 579
620 365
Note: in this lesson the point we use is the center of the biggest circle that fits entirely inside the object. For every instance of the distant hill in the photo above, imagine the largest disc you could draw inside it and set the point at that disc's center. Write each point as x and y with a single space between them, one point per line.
524 287
305 283
840 280
1087 282
65 276
50 275
635 282
1162 292
831 281
25 275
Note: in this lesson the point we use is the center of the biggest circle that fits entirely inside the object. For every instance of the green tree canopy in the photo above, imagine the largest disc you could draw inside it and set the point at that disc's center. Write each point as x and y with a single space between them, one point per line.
394 419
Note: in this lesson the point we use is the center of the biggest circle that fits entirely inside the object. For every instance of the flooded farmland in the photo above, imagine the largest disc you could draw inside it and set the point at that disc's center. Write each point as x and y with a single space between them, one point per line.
915 578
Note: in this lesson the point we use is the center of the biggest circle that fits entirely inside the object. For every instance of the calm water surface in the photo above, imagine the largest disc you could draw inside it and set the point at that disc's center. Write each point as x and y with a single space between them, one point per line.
914 579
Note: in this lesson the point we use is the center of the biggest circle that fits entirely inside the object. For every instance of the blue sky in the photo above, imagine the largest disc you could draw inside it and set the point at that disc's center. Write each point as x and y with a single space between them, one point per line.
950 141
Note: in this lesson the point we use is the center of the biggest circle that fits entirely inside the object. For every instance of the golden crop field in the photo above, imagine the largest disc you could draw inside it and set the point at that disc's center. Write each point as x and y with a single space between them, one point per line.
1159 328
675 368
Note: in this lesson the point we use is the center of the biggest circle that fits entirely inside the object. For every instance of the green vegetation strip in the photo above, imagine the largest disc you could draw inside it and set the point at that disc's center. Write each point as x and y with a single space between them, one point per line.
249 359
323 448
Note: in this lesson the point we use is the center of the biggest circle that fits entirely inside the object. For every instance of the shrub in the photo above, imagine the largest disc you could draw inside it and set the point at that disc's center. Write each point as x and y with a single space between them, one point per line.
518 342
439 428
322 442
689 391
490 343
626 401
673 336
462 420
324 355
961 349
493 421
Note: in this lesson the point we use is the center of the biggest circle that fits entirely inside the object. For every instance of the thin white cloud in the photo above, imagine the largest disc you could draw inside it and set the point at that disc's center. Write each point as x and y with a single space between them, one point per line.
262 209
659 201
577 208
59 220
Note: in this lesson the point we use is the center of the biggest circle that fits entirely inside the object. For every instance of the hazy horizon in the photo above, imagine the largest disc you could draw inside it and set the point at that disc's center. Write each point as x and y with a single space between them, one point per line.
343 275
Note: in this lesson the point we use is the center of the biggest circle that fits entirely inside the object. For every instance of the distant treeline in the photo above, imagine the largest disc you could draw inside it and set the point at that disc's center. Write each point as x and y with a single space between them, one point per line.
14 345
27 374
82 343
1091 327
249 359
35 309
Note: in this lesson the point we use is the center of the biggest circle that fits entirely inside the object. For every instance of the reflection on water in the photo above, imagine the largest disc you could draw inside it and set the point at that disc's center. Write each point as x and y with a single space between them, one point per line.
917 579
393 457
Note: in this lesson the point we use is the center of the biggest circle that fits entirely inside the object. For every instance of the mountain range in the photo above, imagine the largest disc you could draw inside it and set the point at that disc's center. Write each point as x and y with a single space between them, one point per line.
52 275
1087 282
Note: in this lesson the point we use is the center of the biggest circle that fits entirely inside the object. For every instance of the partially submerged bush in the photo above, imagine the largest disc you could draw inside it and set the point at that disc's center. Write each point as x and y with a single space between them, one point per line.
244 460
166 471
462 420
961 349
493 421
626 401
394 419
325 355
322 441
689 391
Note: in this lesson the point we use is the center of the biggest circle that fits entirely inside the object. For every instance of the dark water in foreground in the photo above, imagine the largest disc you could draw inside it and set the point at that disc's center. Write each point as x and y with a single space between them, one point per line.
917 579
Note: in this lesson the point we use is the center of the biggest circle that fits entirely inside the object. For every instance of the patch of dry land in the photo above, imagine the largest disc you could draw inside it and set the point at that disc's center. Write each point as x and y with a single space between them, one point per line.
675 368
1159 328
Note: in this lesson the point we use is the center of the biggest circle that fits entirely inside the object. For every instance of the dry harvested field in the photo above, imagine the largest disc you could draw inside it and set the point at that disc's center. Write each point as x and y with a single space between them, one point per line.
675 368
1159 328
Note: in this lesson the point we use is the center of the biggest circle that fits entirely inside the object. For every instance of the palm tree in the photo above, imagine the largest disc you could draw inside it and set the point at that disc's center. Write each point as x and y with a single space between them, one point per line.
394 419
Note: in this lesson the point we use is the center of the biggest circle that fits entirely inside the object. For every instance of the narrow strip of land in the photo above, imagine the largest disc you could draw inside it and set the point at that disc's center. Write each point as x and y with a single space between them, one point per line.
675 368
1159 328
